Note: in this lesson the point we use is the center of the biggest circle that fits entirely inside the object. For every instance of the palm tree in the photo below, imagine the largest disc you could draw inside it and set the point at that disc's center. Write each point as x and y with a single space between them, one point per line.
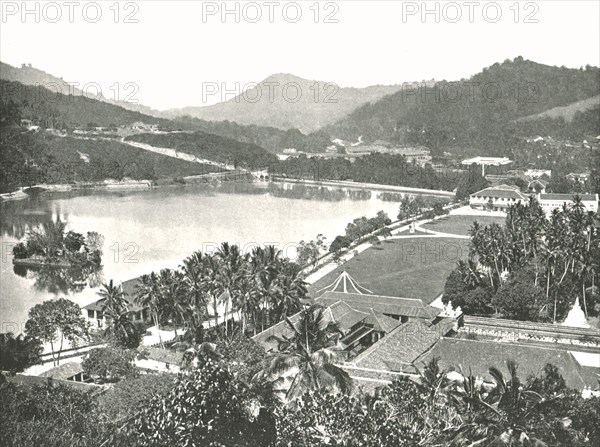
148 295
210 281
506 415
115 309
308 357
193 286
289 289
175 307
232 265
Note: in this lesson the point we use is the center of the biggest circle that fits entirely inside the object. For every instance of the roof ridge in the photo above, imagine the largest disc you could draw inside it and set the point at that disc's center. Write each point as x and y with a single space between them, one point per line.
382 296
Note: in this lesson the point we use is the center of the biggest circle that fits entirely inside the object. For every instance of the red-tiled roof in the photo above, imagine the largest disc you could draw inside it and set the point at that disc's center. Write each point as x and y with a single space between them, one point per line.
407 307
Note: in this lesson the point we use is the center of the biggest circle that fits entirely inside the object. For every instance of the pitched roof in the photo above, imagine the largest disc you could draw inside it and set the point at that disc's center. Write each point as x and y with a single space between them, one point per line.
344 283
64 371
501 192
400 348
381 322
29 381
407 307
480 355
279 330
345 317
163 355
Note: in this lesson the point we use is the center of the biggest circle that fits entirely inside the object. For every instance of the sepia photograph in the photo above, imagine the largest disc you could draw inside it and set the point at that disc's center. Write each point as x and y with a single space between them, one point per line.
311 223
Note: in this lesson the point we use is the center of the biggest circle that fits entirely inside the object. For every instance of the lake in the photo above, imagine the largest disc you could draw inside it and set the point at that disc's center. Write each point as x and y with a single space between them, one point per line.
149 230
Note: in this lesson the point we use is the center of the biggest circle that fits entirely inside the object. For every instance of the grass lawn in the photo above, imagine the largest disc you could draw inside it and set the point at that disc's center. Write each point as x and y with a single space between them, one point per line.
462 224
410 268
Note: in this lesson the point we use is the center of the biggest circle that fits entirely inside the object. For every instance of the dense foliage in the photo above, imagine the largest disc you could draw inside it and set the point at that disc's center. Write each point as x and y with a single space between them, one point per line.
211 147
532 268
210 406
384 169
359 228
478 112
270 138
109 364
18 353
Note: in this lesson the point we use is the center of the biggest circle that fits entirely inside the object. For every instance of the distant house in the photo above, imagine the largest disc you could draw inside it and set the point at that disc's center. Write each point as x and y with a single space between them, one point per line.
538 186
497 198
578 177
486 161
94 314
71 371
550 202
138 125
419 154
537 173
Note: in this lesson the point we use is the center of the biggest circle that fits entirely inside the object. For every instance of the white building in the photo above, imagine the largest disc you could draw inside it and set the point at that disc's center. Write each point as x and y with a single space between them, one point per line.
549 202
537 173
497 198
486 161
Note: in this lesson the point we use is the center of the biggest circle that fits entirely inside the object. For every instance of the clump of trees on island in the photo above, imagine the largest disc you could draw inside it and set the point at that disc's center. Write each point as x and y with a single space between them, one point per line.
50 243
531 268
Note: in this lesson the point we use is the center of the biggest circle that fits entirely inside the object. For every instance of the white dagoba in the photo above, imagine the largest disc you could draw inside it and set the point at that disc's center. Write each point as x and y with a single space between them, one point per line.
576 317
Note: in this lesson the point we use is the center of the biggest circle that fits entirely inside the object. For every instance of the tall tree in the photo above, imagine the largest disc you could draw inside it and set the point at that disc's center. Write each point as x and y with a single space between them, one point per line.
56 321
308 357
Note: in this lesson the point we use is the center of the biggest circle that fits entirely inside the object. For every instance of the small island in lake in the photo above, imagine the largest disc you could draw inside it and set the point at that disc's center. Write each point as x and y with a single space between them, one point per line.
50 245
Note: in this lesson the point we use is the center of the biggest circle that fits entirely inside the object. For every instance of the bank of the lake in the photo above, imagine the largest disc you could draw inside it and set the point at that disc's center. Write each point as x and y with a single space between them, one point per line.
148 230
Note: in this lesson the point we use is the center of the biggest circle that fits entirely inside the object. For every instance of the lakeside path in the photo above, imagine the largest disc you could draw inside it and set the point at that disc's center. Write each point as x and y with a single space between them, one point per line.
328 264
372 186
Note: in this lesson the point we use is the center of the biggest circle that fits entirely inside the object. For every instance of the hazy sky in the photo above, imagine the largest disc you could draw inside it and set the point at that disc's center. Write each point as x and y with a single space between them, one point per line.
176 48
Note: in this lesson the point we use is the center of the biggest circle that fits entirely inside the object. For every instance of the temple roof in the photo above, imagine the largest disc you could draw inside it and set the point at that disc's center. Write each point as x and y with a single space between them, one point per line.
346 284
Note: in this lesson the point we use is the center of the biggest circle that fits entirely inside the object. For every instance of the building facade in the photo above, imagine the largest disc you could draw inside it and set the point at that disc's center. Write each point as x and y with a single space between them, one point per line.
550 202
497 198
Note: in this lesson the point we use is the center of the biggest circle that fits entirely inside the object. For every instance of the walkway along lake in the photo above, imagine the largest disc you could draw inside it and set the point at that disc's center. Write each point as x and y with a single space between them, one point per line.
158 228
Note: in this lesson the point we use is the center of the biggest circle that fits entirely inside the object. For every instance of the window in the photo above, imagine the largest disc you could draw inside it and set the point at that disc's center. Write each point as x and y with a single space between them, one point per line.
90 313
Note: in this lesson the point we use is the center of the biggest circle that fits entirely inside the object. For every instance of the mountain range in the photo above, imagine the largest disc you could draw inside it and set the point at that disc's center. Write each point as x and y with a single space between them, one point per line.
286 101
509 99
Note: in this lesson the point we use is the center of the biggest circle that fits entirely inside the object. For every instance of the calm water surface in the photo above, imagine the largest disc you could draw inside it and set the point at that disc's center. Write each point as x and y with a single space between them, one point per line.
150 230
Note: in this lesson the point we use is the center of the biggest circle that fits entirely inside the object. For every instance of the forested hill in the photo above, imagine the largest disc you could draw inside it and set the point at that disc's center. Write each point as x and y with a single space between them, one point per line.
33 76
52 109
211 147
480 111
270 138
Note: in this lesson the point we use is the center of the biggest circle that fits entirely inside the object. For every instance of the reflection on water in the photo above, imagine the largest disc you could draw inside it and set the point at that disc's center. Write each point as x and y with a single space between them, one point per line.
61 281
321 193
164 226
